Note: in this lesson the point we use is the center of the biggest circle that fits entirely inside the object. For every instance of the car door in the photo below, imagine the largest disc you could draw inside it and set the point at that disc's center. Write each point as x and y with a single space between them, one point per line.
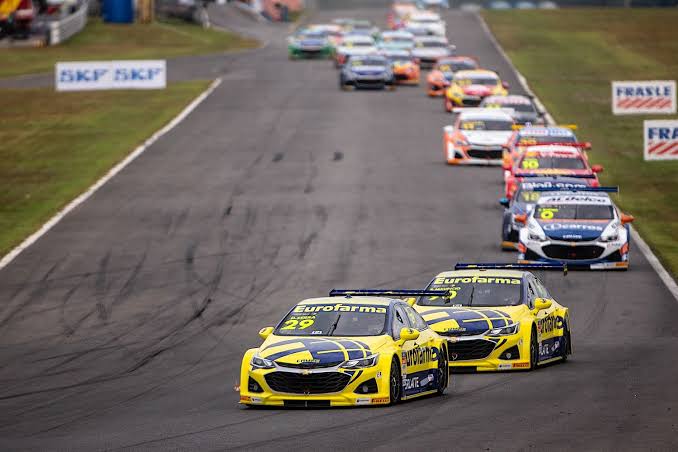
424 352
409 367
545 321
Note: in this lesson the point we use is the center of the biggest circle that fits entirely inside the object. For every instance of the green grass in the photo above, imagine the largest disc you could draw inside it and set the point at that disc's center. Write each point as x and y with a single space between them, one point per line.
123 41
55 145
569 57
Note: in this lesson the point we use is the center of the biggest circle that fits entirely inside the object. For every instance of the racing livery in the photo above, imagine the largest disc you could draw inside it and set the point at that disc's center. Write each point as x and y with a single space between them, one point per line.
469 88
406 70
309 44
428 20
439 78
477 136
551 160
496 319
524 110
348 351
428 49
367 72
523 202
578 227
353 45
396 40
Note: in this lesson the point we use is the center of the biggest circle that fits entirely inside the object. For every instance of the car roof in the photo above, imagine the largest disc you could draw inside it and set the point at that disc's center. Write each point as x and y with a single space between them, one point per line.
546 149
545 130
575 197
484 273
485 113
510 99
396 33
375 301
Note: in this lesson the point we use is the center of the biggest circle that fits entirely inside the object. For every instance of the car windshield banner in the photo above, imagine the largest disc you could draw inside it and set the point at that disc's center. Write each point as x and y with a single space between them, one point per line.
644 97
661 140
102 75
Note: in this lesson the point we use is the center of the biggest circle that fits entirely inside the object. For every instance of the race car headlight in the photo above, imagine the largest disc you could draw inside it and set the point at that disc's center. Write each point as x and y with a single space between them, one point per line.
461 143
537 237
368 361
258 362
505 330
610 234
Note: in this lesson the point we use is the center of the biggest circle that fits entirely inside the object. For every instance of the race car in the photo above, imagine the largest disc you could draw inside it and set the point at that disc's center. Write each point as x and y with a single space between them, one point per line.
432 4
396 40
356 25
469 88
523 202
579 227
530 135
371 71
428 49
348 351
398 13
354 45
428 20
551 160
443 72
309 44
524 110
405 68
497 317
477 136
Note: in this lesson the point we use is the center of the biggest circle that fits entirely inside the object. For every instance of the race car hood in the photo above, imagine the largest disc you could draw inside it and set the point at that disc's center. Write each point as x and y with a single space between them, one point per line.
350 51
429 52
368 70
469 321
312 43
317 351
525 116
579 230
476 90
399 68
487 137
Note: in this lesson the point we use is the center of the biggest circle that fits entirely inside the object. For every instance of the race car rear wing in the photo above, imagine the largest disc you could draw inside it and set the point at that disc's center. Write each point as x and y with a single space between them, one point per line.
387 292
508 111
575 176
581 145
578 189
564 126
510 266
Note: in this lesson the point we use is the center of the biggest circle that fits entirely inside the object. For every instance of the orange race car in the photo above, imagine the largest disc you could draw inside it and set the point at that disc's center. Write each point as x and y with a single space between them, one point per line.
406 69
442 73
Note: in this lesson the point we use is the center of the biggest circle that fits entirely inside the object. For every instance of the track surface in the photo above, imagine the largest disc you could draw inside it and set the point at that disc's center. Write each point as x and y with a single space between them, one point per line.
125 325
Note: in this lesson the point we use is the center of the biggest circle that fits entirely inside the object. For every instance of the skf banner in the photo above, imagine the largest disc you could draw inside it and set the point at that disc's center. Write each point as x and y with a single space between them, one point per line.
95 75
661 140
648 97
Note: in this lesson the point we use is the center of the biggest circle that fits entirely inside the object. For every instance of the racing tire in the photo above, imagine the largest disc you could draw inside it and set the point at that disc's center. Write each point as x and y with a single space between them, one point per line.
566 347
534 351
443 372
395 383
448 106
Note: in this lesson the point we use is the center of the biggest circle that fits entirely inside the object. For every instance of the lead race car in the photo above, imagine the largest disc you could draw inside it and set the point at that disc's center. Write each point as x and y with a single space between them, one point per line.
497 317
580 227
354 350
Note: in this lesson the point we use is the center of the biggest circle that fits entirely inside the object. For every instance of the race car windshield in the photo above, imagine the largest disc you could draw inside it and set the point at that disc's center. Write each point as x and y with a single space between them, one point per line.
432 44
400 60
475 291
316 34
520 106
574 212
485 81
541 162
462 65
368 62
334 320
530 139
358 44
426 20
486 124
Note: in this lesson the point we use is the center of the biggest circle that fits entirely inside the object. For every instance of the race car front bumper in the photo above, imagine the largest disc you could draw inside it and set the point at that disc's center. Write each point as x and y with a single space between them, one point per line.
310 52
292 387
473 155
482 354
593 255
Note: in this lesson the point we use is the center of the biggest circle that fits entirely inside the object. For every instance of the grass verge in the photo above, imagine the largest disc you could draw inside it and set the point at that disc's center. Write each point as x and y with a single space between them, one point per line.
570 57
158 40
55 145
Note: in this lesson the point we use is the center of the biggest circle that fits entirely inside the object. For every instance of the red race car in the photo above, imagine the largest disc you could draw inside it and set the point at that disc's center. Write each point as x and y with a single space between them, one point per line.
552 160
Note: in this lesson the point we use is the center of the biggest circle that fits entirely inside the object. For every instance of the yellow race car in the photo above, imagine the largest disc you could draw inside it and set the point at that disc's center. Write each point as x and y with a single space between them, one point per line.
348 351
468 88
497 317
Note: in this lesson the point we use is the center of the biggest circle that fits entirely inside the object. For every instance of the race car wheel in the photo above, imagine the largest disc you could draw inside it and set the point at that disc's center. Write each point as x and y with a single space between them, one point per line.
565 344
448 106
395 383
443 372
534 350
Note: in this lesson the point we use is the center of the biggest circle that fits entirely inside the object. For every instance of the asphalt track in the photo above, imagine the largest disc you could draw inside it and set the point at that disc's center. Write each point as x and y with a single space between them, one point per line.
124 326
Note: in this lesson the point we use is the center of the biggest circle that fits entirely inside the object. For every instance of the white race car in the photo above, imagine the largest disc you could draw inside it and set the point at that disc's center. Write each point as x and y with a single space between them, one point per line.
477 136
428 20
354 45
429 48
576 227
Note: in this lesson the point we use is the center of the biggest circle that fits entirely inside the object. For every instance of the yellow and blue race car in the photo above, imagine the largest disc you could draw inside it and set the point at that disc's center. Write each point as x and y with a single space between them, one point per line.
497 317
347 351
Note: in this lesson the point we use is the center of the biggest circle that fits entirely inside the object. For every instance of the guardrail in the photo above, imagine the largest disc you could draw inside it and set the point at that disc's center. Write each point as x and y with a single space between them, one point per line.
62 29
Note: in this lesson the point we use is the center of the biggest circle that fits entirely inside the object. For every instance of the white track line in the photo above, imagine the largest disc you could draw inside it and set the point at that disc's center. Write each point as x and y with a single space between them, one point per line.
664 275
108 176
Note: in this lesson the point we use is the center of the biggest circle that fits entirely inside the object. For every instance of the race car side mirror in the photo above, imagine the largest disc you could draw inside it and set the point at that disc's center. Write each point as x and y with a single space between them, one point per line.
504 202
408 334
542 303
520 218
597 168
626 218
411 301
587 145
505 85
265 332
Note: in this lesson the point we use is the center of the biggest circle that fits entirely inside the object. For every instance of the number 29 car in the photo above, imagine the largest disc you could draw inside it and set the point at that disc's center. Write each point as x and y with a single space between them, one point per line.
348 351
497 317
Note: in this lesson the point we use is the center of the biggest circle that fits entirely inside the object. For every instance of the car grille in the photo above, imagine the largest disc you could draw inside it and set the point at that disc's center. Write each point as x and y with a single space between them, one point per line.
494 154
307 403
573 252
460 333
401 76
319 383
308 365
471 102
468 350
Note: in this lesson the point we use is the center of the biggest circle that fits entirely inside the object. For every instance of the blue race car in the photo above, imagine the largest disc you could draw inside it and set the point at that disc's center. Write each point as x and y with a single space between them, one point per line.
371 71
